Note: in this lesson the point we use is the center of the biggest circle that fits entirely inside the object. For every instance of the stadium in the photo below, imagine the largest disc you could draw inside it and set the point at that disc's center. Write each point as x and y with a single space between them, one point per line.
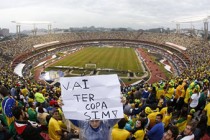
68 43
142 60
55 84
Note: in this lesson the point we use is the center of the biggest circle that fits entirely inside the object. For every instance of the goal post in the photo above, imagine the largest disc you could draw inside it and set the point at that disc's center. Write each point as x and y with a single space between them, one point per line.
90 66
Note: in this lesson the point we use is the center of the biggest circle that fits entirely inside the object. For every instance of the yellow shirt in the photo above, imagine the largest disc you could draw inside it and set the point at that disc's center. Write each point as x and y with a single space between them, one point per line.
24 91
178 91
160 103
189 118
187 95
152 118
183 93
181 124
120 134
159 93
207 109
139 135
170 92
166 120
53 128
163 111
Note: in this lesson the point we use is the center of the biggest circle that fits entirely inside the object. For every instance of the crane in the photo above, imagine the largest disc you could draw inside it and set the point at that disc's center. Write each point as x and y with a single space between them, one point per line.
34 23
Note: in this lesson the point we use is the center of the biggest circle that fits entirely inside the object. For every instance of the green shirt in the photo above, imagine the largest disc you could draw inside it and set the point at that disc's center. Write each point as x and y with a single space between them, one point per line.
32 114
202 97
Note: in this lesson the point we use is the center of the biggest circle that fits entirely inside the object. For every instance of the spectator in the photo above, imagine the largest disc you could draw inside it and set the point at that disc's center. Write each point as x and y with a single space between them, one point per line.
24 128
156 132
32 114
95 129
120 133
41 116
138 132
7 103
4 134
54 130
171 133
187 134
206 111
39 97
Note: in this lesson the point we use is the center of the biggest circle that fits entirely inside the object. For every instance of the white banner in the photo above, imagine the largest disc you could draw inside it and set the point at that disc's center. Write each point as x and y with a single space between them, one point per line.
91 97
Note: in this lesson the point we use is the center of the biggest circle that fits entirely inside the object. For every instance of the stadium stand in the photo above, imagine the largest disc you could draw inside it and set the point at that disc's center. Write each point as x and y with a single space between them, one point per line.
181 100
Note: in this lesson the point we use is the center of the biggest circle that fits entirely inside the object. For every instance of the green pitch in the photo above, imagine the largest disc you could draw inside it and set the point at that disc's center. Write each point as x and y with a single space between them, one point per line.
117 58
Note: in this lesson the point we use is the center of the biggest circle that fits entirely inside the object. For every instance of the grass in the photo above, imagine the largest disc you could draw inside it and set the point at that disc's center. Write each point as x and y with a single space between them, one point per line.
118 73
80 72
117 58
131 81
120 59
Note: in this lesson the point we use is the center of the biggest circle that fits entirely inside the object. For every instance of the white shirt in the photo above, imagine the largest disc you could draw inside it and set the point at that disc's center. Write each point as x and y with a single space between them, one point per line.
195 97
190 137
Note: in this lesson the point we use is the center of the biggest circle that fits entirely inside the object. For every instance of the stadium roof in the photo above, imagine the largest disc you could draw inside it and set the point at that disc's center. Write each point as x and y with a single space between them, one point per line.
192 19
31 22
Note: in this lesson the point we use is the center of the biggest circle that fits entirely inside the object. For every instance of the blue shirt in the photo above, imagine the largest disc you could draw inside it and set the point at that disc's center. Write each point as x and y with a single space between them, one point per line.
145 94
156 133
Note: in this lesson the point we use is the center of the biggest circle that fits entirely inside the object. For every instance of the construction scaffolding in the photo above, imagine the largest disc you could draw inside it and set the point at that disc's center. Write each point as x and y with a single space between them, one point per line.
34 23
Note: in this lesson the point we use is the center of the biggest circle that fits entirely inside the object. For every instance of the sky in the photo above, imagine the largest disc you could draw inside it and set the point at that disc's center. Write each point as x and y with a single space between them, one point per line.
136 14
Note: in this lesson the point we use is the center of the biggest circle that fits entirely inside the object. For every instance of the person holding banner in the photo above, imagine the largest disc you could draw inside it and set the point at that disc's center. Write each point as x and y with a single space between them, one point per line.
95 129
92 103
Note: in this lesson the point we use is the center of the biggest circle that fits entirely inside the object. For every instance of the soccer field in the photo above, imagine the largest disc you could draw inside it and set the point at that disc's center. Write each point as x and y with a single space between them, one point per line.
117 58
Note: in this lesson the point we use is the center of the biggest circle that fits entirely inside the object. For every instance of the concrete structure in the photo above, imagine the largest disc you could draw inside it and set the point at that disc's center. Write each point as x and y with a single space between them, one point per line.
34 23
4 32
205 29
191 20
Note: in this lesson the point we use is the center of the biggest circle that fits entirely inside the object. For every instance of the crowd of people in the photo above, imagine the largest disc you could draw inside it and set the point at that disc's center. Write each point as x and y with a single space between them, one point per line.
17 46
176 109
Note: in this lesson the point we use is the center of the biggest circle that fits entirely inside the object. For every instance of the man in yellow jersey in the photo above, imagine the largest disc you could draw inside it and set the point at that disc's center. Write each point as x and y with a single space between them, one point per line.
167 117
120 133
54 128
170 91
187 96
160 89
179 99
152 118
206 111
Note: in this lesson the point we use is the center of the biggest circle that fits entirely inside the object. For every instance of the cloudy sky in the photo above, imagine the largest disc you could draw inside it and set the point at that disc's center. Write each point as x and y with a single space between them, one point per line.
137 14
